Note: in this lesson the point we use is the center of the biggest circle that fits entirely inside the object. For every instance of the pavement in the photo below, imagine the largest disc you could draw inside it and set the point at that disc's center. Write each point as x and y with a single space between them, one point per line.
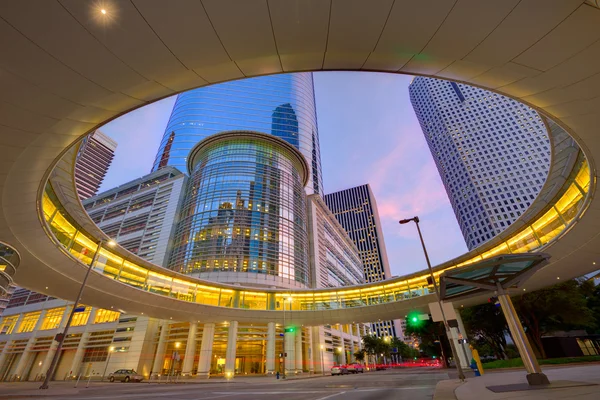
413 384
580 382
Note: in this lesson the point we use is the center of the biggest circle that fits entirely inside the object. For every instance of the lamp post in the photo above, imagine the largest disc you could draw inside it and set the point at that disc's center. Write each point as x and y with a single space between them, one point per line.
110 351
322 362
461 375
60 338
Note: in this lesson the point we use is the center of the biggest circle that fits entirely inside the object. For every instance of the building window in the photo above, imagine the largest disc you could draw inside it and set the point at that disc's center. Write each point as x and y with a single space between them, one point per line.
8 324
53 318
104 316
29 321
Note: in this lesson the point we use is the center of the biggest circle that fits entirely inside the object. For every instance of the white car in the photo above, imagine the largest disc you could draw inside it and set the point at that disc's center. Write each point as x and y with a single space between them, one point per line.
339 370
125 375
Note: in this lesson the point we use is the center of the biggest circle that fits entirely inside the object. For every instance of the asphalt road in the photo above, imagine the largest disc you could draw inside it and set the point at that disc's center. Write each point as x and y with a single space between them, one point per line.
414 384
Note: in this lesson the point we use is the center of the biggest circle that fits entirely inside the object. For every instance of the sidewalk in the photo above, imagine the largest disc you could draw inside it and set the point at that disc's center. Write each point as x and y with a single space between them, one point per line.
585 378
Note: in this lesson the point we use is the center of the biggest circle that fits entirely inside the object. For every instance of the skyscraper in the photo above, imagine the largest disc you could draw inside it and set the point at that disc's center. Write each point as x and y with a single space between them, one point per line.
280 105
244 214
95 155
492 153
356 211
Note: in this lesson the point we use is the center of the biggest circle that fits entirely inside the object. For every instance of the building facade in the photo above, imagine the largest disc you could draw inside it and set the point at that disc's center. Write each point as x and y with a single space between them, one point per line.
93 160
244 215
279 105
356 211
492 153
141 215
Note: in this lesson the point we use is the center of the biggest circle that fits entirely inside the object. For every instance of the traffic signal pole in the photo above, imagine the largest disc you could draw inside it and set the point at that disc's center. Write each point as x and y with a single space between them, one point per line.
461 374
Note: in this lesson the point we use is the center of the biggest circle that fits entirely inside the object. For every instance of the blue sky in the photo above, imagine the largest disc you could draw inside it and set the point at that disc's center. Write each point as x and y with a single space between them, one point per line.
368 133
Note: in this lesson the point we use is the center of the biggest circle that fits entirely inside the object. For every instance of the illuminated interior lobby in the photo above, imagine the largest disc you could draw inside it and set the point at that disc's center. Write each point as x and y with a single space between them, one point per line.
550 63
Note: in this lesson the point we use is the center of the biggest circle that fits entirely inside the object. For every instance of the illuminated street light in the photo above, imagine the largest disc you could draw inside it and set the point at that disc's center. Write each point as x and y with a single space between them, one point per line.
415 219
103 11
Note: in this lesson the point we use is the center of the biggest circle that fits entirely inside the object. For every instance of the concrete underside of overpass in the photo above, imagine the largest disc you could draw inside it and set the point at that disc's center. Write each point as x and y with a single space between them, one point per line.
67 69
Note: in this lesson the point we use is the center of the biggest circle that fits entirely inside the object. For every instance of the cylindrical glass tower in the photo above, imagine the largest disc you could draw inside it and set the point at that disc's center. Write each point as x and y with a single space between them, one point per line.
279 105
244 216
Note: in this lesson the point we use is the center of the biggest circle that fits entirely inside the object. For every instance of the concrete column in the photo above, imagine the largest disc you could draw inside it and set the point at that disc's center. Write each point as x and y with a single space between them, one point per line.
159 358
298 350
465 348
76 364
358 336
231 347
290 350
4 354
317 352
208 335
535 376
270 365
190 350
310 351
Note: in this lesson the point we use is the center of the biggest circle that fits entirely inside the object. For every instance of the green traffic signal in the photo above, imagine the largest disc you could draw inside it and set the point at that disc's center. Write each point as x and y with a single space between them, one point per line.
413 319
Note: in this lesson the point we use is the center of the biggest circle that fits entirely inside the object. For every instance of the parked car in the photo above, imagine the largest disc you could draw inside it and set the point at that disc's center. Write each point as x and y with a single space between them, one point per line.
125 375
355 368
339 370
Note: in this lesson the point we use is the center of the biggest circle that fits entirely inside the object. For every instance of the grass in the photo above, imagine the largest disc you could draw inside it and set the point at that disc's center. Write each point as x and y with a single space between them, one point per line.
516 362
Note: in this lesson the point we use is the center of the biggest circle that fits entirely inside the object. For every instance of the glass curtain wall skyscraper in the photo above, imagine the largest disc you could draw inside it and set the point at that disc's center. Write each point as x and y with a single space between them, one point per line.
280 105
492 153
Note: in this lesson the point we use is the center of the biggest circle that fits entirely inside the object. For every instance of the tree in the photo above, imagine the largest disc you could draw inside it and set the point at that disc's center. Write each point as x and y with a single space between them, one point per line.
432 336
359 356
556 308
485 324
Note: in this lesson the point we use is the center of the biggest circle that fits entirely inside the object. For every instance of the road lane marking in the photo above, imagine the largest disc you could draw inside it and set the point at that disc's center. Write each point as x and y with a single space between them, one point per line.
331 395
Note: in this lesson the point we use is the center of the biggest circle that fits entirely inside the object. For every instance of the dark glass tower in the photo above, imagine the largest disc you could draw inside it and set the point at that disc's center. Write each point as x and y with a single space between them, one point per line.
280 105
356 210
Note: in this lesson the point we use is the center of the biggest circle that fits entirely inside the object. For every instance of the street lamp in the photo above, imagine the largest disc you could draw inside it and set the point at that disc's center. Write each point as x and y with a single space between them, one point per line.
415 219
60 338
110 351
322 362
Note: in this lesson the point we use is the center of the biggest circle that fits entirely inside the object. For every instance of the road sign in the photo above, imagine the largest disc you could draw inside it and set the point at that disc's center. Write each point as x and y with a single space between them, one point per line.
436 312
79 309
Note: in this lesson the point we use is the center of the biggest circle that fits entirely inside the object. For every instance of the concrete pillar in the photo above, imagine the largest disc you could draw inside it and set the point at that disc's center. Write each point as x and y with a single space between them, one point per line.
190 350
270 365
298 350
317 351
231 347
4 353
535 376
352 349
310 351
208 335
159 358
465 348
76 364
290 350
459 350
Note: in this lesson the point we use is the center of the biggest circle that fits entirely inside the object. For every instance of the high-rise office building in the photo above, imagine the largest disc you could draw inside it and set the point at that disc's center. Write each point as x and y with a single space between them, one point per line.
280 105
356 211
141 214
492 153
95 155
244 215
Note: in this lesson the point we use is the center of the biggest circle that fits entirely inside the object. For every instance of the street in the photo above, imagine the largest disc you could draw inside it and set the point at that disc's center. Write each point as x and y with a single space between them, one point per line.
411 384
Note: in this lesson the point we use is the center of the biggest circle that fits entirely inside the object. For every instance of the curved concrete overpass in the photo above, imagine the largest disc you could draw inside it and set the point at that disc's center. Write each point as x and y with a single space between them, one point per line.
68 69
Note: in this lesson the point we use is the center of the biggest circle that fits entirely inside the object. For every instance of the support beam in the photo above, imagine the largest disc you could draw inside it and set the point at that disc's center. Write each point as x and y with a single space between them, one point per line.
231 350
535 376
298 350
208 335
270 362
159 358
190 350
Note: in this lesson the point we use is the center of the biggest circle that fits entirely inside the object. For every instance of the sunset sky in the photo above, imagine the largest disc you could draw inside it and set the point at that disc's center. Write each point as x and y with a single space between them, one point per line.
368 133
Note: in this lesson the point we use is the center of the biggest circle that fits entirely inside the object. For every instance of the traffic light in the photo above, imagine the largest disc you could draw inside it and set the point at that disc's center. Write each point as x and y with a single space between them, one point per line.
413 319
289 330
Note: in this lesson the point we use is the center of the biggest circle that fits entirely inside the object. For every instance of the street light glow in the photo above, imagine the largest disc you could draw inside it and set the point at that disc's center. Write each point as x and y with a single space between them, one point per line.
177 345
103 11
111 243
